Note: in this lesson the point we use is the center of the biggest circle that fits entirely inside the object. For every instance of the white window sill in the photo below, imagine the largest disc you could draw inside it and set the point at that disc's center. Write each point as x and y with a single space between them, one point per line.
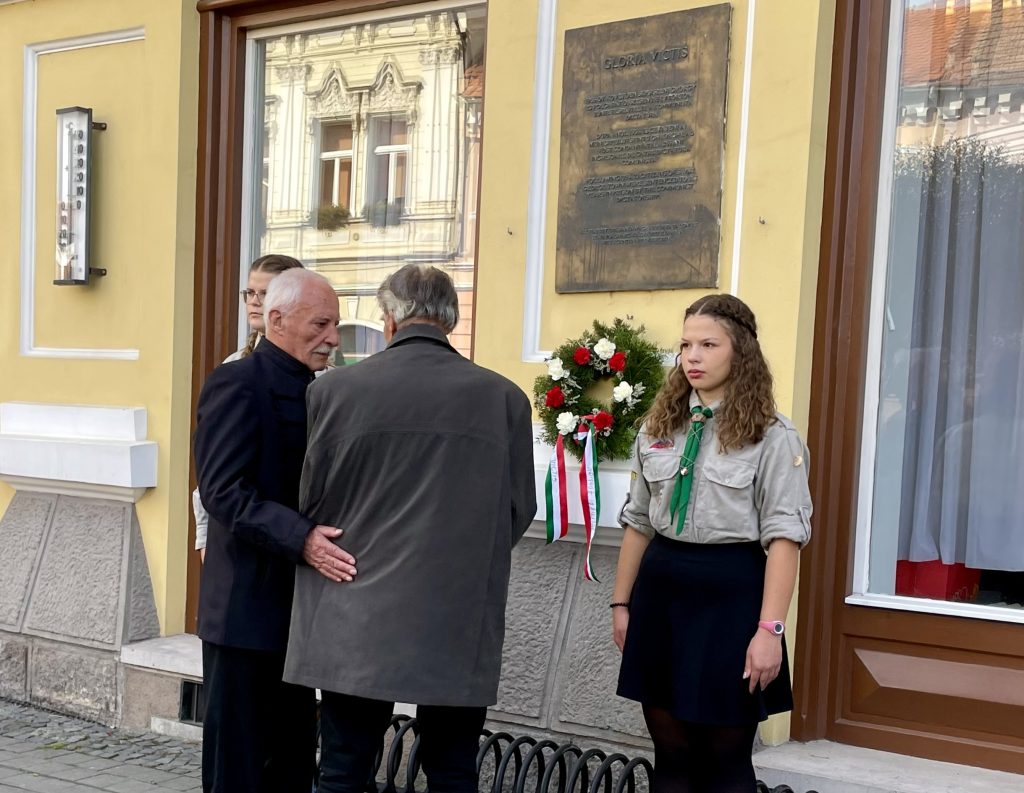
944 607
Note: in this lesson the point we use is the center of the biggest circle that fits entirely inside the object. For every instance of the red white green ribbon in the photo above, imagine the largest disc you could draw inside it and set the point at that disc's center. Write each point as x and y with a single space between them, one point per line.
555 495
590 491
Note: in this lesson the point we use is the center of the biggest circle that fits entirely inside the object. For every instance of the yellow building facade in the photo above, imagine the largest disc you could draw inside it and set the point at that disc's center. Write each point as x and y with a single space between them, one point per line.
231 125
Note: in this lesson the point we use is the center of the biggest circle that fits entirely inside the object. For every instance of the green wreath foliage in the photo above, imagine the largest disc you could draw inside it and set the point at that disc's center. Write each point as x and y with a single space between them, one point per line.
642 369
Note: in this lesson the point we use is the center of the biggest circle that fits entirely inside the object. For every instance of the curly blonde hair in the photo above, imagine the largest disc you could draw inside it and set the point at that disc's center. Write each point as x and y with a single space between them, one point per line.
748 407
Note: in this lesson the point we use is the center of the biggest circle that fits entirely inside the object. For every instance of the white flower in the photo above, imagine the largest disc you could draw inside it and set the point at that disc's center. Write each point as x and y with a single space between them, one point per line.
604 349
556 371
622 392
566 423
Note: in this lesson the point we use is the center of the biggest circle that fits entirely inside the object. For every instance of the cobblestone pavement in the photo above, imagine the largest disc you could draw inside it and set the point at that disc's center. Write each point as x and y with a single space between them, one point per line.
49 753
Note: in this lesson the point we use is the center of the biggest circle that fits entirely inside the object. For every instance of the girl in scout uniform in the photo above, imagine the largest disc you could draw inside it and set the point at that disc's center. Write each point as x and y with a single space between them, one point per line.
717 512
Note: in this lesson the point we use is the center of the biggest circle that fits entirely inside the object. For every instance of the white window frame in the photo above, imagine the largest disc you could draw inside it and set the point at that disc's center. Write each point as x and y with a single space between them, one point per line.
860 594
337 157
392 151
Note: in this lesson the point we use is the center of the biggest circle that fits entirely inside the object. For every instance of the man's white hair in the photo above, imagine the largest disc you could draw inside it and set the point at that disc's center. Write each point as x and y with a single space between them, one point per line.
285 291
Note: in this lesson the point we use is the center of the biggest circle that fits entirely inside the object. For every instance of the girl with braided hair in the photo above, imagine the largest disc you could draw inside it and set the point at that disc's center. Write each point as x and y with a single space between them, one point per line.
717 512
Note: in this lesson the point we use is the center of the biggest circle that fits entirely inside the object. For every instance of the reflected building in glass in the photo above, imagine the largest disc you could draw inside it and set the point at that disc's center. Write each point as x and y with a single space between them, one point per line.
370 158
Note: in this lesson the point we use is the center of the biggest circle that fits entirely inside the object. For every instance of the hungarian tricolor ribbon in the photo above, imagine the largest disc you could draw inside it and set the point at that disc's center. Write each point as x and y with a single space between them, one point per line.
590 491
555 495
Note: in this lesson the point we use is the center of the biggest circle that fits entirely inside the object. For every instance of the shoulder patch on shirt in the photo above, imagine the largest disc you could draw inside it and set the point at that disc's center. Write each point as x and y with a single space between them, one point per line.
632 476
663 444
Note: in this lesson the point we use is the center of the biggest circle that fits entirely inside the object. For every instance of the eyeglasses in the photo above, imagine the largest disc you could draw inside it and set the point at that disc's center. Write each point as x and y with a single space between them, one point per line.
249 294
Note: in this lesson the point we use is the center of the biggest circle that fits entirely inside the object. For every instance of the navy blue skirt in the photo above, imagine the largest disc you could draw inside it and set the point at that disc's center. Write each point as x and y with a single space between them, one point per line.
693 611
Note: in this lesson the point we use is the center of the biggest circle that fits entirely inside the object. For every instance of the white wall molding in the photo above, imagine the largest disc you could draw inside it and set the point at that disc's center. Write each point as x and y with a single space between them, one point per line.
537 205
741 167
128 495
29 156
97 452
536 220
73 421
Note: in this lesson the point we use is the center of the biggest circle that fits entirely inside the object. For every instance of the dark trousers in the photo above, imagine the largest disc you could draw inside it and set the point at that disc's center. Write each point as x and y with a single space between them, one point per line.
351 729
259 733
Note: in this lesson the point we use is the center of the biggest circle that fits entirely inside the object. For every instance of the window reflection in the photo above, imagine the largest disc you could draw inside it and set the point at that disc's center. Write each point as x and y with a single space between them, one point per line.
947 519
371 152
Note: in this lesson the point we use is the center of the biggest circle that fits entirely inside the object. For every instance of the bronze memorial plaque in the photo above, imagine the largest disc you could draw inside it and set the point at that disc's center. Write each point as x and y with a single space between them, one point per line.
643 132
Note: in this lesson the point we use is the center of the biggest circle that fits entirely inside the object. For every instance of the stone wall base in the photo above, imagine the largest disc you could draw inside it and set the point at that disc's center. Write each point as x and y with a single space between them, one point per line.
75 588
68 678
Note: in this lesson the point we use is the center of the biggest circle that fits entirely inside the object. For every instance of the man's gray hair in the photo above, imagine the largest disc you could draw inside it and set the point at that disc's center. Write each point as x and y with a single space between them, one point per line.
420 292
285 290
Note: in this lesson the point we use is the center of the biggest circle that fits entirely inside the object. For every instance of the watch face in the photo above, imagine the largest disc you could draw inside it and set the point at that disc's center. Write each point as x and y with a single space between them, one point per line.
778 628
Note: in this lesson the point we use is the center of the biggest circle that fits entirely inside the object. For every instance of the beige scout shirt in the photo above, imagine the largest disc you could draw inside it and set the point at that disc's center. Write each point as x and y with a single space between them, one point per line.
758 492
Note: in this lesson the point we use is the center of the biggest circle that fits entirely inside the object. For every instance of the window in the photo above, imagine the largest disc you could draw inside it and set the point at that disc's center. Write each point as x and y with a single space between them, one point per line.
387 170
943 462
369 153
357 341
336 165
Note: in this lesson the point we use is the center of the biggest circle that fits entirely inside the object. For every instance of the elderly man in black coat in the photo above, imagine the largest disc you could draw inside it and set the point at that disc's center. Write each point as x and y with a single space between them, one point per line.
259 733
426 461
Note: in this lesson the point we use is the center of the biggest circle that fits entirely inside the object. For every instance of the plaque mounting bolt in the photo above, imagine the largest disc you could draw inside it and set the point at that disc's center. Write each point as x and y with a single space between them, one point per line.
761 220
508 230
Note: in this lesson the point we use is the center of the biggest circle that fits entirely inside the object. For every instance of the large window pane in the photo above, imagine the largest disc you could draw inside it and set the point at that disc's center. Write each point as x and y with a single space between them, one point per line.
948 519
371 142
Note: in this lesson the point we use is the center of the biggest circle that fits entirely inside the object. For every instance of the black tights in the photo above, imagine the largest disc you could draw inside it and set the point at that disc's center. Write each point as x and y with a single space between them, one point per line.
699 758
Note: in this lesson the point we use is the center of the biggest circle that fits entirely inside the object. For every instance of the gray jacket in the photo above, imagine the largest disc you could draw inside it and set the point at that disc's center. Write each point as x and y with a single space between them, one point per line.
425 460
758 492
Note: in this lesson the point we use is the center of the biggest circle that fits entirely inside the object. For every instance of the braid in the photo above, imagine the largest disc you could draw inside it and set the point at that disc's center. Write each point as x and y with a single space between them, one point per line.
250 344
729 308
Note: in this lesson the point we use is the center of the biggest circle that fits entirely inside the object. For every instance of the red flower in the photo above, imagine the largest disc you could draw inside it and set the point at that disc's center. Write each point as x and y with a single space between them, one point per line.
554 398
617 362
602 420
581 356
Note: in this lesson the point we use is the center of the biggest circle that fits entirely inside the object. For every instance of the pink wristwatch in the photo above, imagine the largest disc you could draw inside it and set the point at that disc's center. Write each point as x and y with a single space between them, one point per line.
774 627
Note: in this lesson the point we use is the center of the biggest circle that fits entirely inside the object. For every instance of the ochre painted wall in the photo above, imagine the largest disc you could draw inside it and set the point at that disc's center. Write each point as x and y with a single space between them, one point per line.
144 208
781 187
145 194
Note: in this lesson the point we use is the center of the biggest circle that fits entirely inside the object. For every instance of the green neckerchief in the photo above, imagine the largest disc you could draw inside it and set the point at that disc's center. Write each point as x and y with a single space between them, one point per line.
684 479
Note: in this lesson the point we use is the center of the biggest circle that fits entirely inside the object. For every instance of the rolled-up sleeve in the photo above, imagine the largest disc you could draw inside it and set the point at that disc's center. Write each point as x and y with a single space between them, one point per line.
782 493
635 513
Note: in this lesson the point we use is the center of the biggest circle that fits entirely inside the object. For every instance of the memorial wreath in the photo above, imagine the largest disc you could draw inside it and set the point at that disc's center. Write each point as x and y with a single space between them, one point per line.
574 419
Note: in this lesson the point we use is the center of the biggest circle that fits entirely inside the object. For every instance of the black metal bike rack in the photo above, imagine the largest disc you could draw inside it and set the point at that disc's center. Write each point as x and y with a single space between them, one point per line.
506 764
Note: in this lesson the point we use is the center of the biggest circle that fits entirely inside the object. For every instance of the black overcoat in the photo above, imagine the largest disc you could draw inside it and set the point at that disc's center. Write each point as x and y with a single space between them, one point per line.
425 460
249 444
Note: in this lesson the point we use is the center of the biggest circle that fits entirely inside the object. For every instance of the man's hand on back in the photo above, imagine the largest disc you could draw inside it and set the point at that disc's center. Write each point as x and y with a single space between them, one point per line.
327 558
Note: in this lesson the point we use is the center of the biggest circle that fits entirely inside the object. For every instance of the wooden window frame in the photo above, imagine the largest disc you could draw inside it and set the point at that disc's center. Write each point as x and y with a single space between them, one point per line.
223 27
835 696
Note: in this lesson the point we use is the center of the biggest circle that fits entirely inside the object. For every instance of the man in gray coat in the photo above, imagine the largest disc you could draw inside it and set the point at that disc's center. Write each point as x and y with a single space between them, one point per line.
425 460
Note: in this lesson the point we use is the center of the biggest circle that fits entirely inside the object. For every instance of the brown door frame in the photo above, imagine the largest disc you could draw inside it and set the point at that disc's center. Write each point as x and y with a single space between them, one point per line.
837 377
837 695
223 25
